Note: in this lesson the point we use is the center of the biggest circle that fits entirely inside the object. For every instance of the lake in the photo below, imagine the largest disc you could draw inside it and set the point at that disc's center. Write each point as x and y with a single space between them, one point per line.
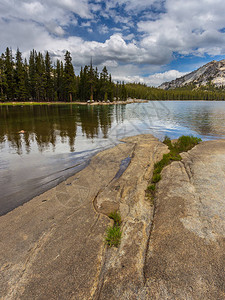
42 145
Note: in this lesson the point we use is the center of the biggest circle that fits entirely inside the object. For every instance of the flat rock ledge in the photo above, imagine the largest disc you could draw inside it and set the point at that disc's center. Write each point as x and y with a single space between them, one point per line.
53 246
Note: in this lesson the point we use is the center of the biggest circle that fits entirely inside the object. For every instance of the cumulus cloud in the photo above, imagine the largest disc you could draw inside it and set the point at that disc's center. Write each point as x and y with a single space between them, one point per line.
151 80
131 47
134 5
190 27
103 29
43 13
158 78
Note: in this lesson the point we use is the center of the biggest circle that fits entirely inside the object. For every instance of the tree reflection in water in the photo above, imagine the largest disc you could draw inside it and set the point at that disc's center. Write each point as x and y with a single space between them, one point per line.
47 125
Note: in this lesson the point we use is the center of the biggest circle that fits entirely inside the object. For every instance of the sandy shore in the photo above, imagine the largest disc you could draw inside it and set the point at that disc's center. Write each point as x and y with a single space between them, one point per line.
53 246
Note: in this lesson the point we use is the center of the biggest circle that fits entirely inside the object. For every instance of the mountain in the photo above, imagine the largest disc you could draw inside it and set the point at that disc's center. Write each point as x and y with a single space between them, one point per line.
211 73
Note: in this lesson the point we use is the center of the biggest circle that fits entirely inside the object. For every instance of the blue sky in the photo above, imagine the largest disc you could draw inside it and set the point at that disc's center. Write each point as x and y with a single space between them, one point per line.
146 40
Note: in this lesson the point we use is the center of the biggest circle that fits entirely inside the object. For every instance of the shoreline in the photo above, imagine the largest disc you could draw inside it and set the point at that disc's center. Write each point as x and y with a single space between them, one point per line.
54 243
98 103
129 101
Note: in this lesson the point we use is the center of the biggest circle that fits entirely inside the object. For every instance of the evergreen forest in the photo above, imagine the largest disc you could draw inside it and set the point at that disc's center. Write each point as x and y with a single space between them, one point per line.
39 79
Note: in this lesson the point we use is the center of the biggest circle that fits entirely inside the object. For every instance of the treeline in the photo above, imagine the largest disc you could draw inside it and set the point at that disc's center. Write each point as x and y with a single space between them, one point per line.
209 92
38 79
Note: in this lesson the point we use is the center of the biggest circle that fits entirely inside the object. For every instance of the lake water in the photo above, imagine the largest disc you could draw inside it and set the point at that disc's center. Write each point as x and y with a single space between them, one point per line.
42 145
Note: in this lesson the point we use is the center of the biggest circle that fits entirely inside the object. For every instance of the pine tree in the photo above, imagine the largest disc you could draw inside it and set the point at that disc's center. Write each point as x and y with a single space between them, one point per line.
69 78
123 92
48 78
20 91
26 78
9 64
3 80
40 79
32 74
104 79
91 81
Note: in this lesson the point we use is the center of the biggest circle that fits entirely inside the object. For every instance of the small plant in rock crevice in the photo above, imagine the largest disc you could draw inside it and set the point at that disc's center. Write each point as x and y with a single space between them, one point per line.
115 216
114 233
113 236
183 144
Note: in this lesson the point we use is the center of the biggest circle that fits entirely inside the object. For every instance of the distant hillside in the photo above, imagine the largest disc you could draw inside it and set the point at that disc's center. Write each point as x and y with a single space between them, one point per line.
211 73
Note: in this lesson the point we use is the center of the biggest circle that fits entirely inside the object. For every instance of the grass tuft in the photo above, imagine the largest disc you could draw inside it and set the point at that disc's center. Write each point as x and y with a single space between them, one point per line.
113 233
113 236
151 187
156 178
116 217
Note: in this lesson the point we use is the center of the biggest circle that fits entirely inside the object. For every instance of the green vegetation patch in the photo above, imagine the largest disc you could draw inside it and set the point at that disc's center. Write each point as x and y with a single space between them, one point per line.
114 233
156 178
113 236
116 217
183 144
151 187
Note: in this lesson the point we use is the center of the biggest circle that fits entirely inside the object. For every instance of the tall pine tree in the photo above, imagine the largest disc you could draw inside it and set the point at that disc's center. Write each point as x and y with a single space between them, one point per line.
9 64
69 78
20 91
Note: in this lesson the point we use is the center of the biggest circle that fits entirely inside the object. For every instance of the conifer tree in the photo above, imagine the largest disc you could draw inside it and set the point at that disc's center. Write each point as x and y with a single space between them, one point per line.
48 78
40 79
3 80
31 74
69 78
9 64
20 85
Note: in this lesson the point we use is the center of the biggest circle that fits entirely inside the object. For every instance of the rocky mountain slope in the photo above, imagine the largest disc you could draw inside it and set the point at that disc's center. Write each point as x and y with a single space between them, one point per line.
213 72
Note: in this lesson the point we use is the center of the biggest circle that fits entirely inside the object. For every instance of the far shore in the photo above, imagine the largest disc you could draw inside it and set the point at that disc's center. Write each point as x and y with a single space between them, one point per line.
128 101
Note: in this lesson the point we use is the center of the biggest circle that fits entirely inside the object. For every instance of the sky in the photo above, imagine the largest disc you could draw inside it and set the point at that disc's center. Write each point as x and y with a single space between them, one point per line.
144 41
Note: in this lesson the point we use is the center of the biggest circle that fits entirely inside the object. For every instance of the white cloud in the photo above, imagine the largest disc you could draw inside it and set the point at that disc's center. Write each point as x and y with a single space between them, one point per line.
187 27
60 13
134 5
129 37
86 24
55 29
190 27
79 7
152 80
103 29
158 78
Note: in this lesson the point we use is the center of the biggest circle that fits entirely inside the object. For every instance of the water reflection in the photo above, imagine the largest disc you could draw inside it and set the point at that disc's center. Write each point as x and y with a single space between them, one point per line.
42 145
206 119
23 126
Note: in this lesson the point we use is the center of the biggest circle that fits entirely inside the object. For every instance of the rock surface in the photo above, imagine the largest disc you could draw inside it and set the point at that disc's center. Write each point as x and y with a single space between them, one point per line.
186 257
53 246
211 73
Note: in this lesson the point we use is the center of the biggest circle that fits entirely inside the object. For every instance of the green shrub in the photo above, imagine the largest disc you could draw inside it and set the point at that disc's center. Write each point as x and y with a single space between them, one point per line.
186 143
151 187
174 156
156 178
167 142
116 217
113 236
157 170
